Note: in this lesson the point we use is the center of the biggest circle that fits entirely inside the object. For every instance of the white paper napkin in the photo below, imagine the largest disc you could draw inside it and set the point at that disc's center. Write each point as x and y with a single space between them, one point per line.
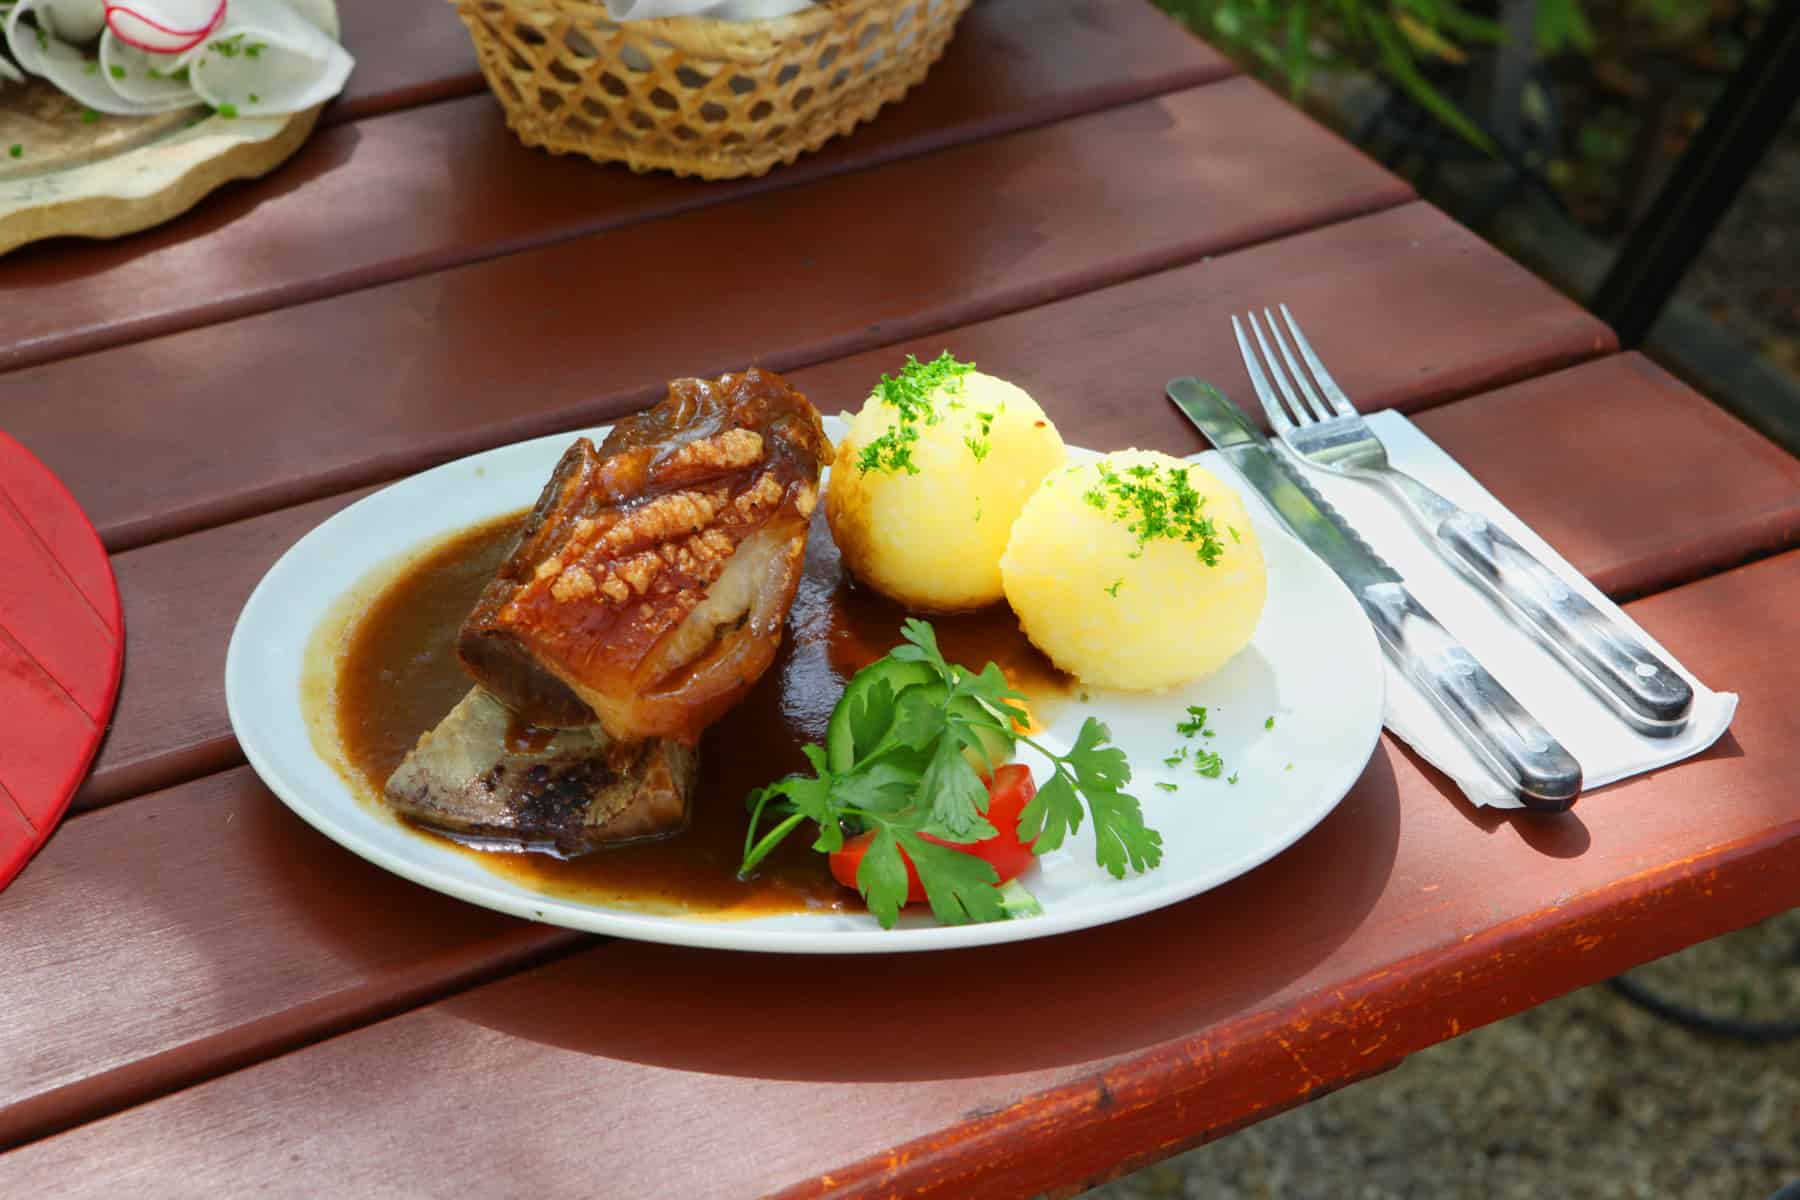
724 10
1607 748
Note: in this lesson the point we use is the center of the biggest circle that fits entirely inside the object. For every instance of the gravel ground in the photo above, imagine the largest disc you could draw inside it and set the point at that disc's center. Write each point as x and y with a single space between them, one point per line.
1586 1096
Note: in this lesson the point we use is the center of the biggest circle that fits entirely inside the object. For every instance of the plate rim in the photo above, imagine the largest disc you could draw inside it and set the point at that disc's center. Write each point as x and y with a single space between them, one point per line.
726 934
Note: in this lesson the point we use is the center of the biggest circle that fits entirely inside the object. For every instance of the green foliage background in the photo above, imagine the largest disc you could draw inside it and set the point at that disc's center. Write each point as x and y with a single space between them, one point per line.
1287 41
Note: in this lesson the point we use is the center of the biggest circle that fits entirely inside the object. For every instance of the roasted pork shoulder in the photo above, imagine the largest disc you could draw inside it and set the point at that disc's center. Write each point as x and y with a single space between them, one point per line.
569 790
651 581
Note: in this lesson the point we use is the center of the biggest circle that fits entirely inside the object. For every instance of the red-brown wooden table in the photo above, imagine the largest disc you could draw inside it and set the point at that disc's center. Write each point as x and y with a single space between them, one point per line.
200 995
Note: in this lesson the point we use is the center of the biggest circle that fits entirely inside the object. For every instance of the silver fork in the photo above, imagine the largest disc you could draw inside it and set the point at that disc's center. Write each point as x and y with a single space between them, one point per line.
1321 426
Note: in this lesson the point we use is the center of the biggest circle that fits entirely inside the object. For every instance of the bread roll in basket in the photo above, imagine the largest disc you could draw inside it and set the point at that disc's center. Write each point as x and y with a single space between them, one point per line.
697 95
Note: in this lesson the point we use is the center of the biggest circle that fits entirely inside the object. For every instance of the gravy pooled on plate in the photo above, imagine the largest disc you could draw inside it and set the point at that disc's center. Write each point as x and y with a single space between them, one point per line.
399 677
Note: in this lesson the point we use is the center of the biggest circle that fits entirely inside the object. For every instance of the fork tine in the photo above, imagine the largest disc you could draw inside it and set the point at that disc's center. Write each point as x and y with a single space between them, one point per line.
1302 414
1315 404
1340 403
1271 406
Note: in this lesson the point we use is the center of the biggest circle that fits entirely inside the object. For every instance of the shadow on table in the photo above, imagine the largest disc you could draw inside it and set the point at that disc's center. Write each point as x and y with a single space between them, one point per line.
983 1011
1554 835
182 243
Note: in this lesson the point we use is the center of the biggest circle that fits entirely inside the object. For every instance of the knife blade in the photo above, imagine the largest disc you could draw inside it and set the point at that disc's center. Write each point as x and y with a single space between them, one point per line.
1489 719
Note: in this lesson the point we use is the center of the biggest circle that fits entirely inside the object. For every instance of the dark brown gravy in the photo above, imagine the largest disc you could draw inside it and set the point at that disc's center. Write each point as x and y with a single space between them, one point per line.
399 677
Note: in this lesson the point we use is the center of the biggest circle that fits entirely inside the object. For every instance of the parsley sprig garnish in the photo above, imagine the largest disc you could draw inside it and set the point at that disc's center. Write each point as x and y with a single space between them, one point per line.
914 779
913 394
1156 503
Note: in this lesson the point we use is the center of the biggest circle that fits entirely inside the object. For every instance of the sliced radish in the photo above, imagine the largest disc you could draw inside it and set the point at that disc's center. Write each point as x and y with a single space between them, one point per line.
267 60
256 58
322 13
77 21
139 77
80 78
165 26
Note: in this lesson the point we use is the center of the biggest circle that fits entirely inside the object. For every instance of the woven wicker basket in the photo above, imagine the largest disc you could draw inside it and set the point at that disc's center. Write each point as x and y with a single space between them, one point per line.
698 96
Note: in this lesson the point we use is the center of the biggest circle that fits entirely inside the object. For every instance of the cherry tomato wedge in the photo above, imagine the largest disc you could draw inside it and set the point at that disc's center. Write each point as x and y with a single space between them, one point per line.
1009 791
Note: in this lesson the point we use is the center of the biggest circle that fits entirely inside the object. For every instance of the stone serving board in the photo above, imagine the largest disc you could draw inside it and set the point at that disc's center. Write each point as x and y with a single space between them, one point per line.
101 178
85 174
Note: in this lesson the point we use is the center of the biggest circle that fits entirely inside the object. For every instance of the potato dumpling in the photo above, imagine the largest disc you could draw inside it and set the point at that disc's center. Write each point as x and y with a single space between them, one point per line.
1138 571
928 479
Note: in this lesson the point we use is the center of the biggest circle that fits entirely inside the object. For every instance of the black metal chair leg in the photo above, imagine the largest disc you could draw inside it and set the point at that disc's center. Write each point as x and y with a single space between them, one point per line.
1738 131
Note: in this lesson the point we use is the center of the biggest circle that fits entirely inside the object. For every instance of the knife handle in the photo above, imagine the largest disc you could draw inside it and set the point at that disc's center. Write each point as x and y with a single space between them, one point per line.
1496 726
1614 663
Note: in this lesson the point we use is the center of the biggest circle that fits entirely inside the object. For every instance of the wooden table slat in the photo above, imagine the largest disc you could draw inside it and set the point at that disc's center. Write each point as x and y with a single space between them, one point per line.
1543 443
171 723
179 669
181 599
1440 918
1481 321
408 52
201 988
150 982
380 382
416 191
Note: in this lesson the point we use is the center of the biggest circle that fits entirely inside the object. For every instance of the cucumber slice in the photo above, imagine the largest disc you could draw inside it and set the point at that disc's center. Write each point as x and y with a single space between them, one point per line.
841 750
1016 902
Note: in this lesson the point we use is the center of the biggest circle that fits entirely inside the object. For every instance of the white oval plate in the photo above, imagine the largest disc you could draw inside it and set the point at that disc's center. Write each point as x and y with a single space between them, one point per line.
1313 666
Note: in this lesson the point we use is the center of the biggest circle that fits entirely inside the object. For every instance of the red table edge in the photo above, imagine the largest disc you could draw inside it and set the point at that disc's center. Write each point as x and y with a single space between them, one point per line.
1136 1111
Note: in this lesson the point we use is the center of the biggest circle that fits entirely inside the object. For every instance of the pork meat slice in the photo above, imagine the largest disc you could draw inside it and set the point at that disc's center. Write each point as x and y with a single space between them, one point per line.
568 790
651 581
